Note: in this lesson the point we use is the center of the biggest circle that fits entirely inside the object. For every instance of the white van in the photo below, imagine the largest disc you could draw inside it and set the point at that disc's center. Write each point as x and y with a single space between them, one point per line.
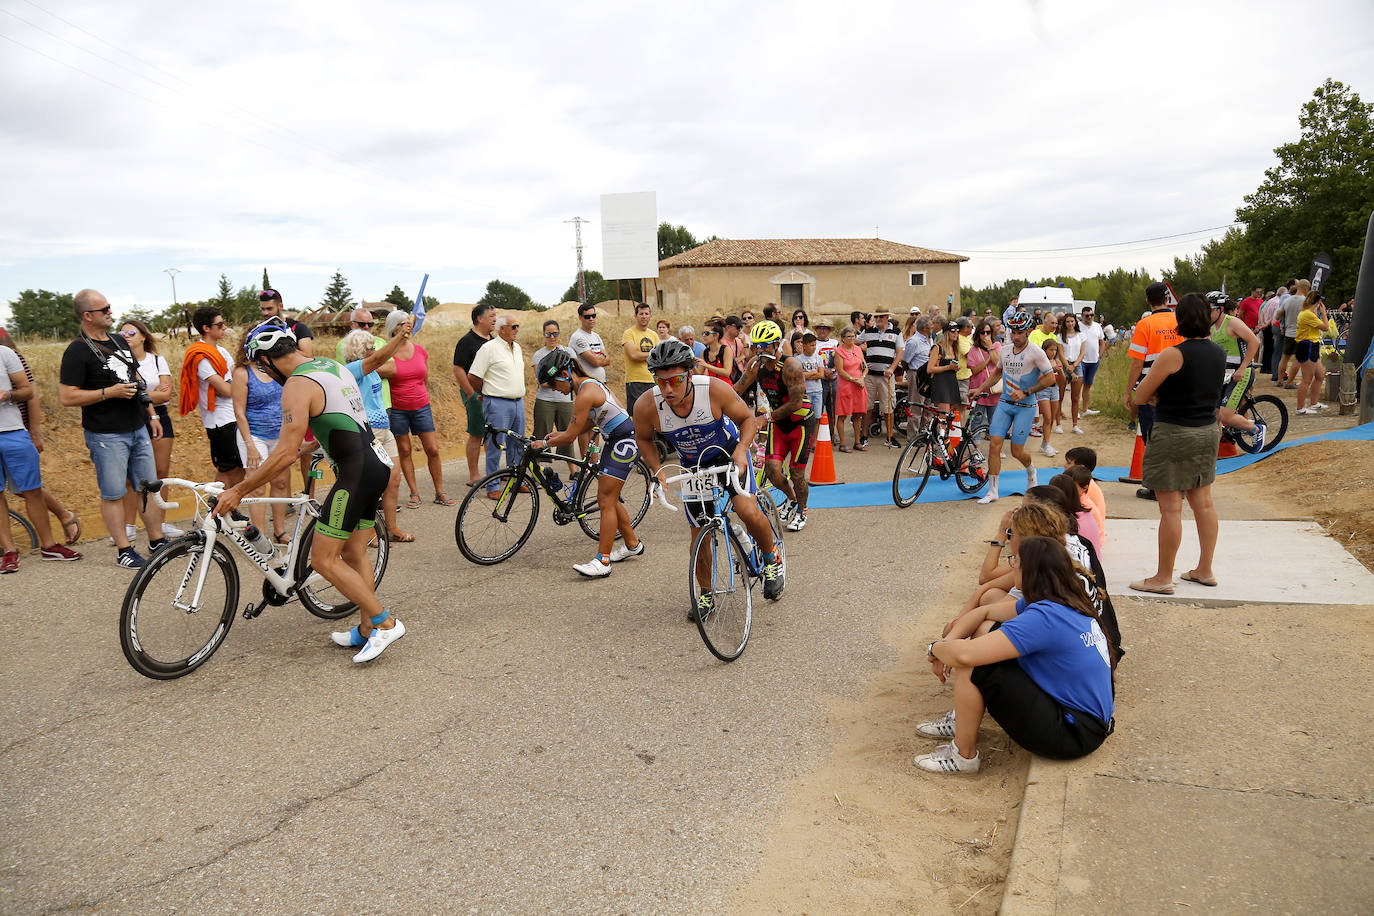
1048 299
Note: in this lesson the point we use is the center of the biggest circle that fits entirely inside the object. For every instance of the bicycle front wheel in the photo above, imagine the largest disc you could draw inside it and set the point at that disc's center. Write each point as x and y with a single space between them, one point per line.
491 530
770 511
971 461
317 593
912 471
1273 413
721 590
165 629
634 496
30 533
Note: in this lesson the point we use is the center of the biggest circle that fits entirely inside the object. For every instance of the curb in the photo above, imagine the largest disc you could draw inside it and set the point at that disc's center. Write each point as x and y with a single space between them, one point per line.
1032 885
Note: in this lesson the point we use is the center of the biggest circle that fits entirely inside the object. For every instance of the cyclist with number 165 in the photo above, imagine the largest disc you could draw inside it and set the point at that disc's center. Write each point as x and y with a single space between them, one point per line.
323 396
595 406
709 425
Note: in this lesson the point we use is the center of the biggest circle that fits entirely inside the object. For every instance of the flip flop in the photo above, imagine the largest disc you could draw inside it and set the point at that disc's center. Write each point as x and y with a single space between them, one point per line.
1189 577
443 499
67 527
401 537
413 502
1140 586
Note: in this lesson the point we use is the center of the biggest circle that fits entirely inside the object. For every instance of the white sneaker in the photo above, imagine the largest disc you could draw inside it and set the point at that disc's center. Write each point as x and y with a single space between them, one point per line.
1031 479
1078 430
171 531
1059 427
989 497
942 727
947 759
379 640
798 521
1091 413
1305 410
1319 406
1048 450
593 568
624 553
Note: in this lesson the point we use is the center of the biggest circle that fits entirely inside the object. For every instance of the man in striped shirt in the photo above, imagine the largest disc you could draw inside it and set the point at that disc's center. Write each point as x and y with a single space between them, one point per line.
880 344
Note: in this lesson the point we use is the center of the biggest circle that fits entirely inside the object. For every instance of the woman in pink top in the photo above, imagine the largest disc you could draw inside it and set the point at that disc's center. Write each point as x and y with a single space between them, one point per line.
411 415
984 356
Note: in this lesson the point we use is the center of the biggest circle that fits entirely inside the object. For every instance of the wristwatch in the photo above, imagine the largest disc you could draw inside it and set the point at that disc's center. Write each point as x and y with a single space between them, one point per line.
930 649
997 543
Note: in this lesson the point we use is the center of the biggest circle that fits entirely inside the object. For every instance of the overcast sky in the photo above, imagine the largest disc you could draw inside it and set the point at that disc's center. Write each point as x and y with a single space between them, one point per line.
394 139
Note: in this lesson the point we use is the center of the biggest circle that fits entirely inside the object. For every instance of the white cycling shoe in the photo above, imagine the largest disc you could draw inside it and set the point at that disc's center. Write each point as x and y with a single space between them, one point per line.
593 568
379 640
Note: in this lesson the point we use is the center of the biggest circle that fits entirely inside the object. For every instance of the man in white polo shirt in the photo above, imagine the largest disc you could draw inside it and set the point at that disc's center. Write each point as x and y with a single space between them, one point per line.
1094 340
498 374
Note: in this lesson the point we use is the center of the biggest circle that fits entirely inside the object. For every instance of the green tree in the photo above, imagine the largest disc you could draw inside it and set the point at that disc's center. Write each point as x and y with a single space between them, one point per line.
1319 195
674 240
337 297
431 303
397 297
503 295
42 313
599 289
266 283
224 297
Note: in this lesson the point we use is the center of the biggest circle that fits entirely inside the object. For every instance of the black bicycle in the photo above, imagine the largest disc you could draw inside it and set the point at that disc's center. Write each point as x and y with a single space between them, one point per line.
928 450
1266 409
491 530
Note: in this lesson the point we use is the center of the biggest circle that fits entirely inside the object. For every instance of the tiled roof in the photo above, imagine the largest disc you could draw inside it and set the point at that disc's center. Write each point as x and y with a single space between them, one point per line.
803 252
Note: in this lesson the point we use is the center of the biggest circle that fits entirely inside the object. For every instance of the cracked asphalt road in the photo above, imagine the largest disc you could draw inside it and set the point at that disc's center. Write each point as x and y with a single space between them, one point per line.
536 742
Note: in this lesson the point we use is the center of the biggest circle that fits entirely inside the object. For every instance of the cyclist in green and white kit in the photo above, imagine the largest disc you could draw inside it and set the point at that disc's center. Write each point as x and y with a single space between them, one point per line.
322 395
1242 353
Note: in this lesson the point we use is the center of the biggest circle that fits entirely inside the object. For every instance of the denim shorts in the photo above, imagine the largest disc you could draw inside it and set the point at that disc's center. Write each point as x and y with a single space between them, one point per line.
405 422
1089 371
19 461
121 458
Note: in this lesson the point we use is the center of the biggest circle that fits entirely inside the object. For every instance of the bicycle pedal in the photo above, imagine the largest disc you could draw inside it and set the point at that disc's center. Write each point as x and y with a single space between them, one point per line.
251 610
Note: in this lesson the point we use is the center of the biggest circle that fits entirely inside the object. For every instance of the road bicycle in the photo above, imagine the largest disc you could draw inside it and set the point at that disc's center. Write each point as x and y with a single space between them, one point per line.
489 531
1266 409
29 533
179 607
725 556
928 450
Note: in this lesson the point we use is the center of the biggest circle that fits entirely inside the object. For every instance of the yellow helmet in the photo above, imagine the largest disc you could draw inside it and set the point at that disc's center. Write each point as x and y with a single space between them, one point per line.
764 333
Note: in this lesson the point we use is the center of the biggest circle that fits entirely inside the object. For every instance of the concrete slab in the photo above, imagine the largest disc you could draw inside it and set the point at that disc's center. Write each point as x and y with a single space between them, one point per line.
1266 562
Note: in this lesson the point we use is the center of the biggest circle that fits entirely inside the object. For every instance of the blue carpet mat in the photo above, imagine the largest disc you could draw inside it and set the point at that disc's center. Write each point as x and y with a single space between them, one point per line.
879 493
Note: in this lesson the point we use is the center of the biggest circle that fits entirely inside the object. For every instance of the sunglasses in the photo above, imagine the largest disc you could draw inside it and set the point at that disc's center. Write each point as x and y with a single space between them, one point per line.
129 333
219 324
588 315
364 324
670 381
549 333
104 311
268 295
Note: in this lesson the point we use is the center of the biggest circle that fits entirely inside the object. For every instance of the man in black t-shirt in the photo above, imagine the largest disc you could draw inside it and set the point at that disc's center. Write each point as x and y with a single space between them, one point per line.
99 375
464 352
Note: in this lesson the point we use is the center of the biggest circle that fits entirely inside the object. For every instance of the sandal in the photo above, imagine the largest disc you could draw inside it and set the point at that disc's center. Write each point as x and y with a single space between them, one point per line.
1140 585
400 537
844 448
443 499
413 502
1189 577
280 537
69 524
861 447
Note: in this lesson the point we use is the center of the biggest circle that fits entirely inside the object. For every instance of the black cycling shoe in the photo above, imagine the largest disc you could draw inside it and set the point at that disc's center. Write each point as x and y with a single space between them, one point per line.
772 580
704 606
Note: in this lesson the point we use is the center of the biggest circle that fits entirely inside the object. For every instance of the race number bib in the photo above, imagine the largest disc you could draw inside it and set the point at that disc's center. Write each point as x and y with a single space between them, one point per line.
381 453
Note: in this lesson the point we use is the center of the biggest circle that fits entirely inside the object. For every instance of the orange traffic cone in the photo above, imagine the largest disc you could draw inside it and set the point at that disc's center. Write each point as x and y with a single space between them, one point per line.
956 433
1226 448
823 465
1137 460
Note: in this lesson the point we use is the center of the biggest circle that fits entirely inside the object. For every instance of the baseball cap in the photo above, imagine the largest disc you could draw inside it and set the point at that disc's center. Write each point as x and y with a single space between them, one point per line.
915 310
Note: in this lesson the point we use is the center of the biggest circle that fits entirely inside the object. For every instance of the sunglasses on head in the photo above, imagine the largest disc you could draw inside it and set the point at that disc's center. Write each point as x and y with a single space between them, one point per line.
269 295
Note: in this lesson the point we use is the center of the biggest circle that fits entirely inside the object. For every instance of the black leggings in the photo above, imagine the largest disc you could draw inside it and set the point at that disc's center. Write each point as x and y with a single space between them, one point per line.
1034 719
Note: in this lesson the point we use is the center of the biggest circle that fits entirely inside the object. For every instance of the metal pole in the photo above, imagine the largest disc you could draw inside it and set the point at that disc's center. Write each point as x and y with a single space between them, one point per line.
172 272
1362 323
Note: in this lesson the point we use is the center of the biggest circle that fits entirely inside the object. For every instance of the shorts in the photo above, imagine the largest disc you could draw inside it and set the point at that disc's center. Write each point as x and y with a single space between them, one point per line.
1048 394
1034 719
224 447
1089 372
1308 351
1180 458
550 416
387 441
405 422
165 420
19 461
1290 344
477 424
1233 395
619 451
699 513
1009 418
879 392
793 443
264 447
352 502
632 392
121 458
963 391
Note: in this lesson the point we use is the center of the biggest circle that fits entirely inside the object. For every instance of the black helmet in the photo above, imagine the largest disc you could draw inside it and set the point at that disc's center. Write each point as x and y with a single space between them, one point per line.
671 354
554 365
1218 300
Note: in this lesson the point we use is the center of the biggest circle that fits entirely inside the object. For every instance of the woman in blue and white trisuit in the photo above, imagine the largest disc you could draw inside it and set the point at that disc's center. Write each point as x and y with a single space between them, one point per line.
595 406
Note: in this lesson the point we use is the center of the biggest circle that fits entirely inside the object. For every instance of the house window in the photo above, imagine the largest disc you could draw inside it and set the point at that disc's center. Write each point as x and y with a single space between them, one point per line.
918 277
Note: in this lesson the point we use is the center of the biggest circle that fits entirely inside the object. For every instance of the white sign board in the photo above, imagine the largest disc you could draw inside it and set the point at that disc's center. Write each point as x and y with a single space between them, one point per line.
629 235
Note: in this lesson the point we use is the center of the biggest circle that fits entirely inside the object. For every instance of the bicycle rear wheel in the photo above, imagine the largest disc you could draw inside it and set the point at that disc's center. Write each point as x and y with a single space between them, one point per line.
634 496
30 535
163 634
317 593
912 471
724 577
491 530
1270 411
971 461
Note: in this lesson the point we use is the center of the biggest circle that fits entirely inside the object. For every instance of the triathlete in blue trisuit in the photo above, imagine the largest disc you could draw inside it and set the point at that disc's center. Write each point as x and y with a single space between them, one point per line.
709 425
323 396
595 406
1023 371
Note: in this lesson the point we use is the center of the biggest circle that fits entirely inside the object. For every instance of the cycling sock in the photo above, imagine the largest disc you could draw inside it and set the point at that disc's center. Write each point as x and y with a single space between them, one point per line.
380 618
605 558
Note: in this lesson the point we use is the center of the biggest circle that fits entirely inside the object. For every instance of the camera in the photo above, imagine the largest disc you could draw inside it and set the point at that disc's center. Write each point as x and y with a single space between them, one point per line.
141 392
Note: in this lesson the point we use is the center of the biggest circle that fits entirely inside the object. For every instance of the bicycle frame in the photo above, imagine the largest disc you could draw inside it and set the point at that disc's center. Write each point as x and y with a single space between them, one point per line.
529 469
703 484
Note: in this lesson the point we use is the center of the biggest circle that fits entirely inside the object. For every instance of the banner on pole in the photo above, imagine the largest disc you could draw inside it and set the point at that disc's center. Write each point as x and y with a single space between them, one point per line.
629 235
1321 271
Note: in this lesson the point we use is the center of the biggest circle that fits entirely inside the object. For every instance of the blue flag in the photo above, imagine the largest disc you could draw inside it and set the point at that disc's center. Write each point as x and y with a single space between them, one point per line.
419 310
